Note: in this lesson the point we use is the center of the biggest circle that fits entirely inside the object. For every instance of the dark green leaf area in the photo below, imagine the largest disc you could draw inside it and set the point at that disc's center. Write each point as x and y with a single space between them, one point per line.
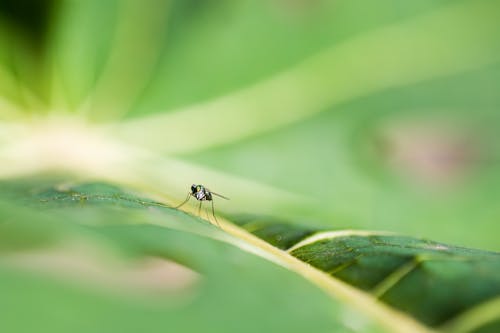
354 259
366 272
276 232
431 281
445 288
491 327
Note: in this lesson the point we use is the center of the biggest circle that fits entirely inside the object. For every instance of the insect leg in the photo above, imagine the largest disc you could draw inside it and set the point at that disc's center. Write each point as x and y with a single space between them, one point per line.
182 204
213 213
199 209
206 213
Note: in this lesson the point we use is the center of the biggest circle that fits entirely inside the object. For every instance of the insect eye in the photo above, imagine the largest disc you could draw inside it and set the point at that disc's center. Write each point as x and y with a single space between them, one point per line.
193 187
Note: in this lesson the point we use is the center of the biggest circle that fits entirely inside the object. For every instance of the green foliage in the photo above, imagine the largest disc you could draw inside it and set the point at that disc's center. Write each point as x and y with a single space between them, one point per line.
418 276
311 116
110 225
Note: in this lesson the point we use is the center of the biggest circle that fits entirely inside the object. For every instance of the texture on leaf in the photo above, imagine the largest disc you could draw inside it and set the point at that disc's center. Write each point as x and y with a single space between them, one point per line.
441 286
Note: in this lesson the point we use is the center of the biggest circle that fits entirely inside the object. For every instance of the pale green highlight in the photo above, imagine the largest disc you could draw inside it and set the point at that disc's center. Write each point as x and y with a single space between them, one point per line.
401 54
396 276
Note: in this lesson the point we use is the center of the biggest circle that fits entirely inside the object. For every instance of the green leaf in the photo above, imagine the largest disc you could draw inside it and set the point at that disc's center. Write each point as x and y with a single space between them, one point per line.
436 283
86 273
334 115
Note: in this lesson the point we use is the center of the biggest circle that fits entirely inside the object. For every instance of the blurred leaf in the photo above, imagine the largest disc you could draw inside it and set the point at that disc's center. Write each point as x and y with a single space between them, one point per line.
331 114
96 227
419 277
319 82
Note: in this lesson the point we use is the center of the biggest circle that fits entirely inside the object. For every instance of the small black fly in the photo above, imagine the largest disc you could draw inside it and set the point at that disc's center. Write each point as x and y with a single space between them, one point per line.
201 193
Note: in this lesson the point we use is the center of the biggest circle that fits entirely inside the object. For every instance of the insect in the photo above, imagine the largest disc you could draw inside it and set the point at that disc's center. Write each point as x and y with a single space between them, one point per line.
201 193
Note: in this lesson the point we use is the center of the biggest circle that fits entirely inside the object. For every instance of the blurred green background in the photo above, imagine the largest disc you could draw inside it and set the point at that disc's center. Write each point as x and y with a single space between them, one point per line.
385 115
334 114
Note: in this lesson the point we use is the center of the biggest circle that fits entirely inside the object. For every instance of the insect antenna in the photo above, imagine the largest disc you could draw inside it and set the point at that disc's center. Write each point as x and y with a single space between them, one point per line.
220 195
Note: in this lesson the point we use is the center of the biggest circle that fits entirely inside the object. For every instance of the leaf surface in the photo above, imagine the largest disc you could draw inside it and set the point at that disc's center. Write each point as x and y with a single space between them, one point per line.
434 282
437 284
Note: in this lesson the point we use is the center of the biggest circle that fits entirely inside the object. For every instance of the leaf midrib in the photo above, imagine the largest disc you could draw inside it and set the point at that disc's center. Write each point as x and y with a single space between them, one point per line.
387 316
